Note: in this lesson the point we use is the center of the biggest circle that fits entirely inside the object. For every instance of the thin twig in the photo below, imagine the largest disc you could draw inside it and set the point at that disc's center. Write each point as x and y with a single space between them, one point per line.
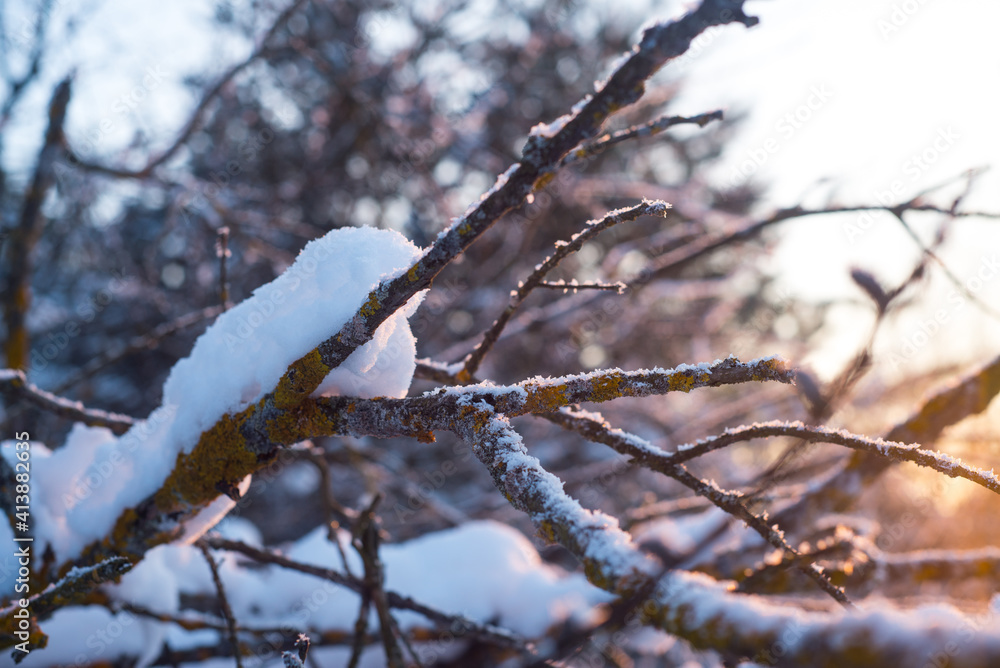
150 340
366 542
948 405
652 458
223 253
195 623
649 129
573 286
195 119
485 632
673 261
563 249
949 274
227 612
72 588
14 383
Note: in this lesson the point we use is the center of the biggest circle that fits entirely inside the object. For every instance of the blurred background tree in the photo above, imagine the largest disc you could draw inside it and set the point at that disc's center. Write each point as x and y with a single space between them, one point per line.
399 116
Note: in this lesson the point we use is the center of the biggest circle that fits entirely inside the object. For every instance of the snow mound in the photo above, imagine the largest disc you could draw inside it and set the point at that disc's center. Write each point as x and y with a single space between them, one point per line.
79 490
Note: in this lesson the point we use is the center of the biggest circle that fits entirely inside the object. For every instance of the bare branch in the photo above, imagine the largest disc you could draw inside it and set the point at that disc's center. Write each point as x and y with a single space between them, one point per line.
650 129
486 632
147 341
227 612
14 384
563 250
672 262
196 116
21 246
949 405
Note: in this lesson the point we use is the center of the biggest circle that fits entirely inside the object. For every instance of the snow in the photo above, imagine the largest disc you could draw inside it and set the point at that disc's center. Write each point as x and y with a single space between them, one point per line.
549 130
512 587
79 490
681 535
319 293
501 181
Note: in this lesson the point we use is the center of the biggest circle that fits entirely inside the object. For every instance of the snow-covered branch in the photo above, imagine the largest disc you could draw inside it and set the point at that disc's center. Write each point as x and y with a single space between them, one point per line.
289 398
954 402
14 382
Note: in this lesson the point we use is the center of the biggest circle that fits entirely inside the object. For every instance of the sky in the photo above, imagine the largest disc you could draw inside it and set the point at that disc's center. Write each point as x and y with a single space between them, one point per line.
855 102
848 102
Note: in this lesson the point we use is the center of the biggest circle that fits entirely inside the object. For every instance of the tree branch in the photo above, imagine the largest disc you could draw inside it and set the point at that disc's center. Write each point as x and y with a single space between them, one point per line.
13 383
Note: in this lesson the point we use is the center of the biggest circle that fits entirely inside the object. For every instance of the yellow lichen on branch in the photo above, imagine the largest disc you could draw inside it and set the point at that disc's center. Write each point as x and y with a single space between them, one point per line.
607 386
300 380
543 397
220 458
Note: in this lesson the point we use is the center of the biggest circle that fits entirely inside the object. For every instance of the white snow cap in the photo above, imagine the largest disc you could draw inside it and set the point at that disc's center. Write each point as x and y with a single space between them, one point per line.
246 351
80 489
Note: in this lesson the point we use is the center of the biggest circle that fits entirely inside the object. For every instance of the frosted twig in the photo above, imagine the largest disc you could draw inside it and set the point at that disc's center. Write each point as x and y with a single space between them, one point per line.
670 263
14 383
565 286
607 553
650 129
563 249
900 452
653 458
71 588
439 410
951 404
822 403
